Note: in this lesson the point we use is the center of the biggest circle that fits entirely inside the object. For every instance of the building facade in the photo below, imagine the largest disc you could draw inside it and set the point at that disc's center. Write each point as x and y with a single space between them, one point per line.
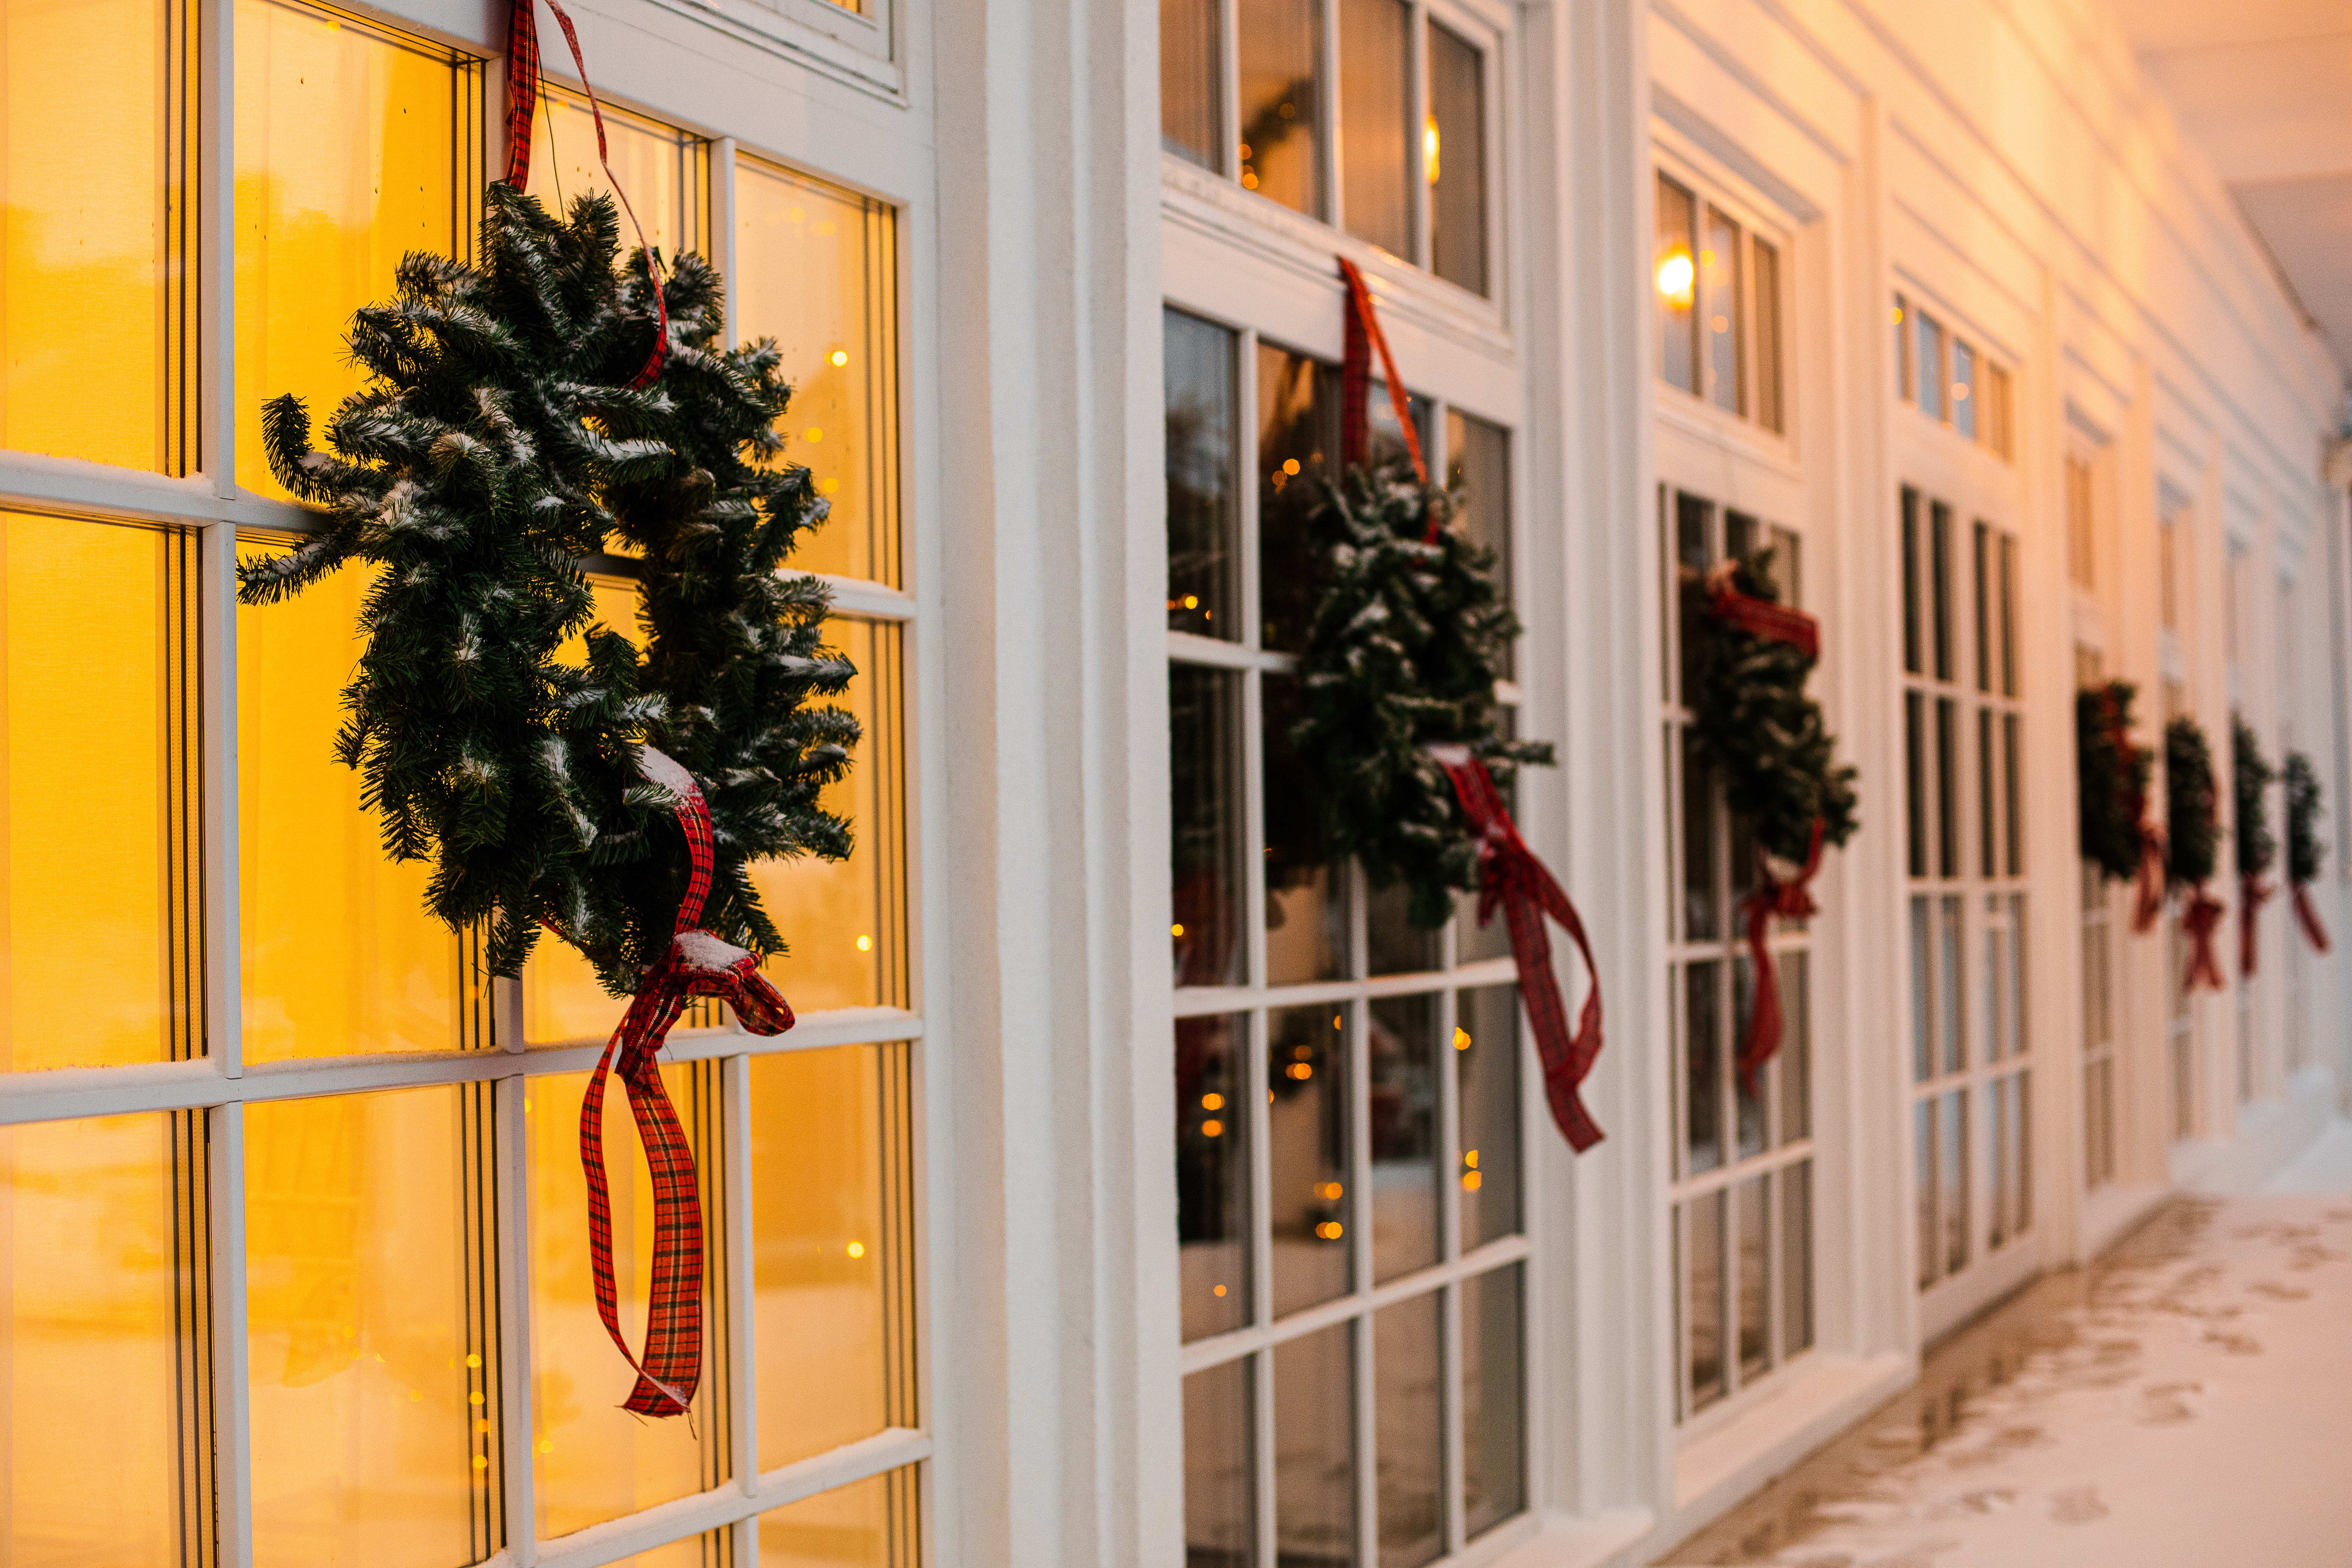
1008 1260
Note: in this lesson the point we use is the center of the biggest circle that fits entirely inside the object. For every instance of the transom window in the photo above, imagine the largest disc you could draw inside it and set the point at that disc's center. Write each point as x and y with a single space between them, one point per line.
312 1214
1719 298
1350 1119
1951 381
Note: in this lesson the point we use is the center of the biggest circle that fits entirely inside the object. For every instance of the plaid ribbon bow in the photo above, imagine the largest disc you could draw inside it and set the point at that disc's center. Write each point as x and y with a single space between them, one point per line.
2306 915
1791 900
697 964
2200 918
1510 877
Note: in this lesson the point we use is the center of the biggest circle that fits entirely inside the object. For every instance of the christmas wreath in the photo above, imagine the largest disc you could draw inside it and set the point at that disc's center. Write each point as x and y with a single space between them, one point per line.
2251 776
2304 849
2111 775
2193 842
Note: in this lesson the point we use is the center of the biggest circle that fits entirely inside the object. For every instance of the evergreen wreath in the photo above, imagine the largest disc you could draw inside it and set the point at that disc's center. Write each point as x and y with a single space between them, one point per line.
2304 850
1753 724
2112 776
498 444
1403 652
2192 805
2251 774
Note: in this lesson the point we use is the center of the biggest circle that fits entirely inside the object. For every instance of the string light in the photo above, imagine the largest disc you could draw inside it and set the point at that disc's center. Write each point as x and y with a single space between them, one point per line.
1676 275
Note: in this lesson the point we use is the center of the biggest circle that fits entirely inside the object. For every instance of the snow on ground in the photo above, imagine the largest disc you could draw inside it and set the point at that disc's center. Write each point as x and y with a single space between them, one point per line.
2185 1403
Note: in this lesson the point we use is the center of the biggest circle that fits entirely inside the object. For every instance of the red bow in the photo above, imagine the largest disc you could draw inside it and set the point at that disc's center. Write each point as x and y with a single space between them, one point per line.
2198 919
1510 876
2307 916
2252 894
2147 902
697 964
1793 900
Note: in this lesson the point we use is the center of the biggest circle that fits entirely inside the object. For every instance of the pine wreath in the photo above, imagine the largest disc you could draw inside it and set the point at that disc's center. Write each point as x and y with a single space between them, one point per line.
2112 776
1403 652
2251 774
2192 805
499 443
1754 725
2304 850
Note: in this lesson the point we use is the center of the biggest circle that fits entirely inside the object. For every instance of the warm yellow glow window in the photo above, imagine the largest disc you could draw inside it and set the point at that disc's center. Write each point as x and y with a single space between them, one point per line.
870 1524
664 172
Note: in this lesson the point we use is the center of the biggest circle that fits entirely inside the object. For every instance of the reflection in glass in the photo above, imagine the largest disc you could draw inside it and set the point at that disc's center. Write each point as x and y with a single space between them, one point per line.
1315 1448
1297 443
1675 262
1748 1091
1306 1144
1393 944
1486 1056
1403 1100
1719 311
1795 1059
1796 1184
1205 797
1494 1400
1281 101
1930 362
1964 388
1703 1053
1703 1299
1751 1224
1189 76
1306 891
1408 1403
1375 174
1453 161
872 1523
1213 1174
1203 495
1702 919
1478 464
1219 1467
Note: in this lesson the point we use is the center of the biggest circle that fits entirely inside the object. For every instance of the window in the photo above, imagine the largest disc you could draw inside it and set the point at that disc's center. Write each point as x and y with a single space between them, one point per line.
1966 918
2169 530
1719 306
2098 933
1741 1202
2179 1018
392 1212
1951 381
1348 1095
2081 557
1393 152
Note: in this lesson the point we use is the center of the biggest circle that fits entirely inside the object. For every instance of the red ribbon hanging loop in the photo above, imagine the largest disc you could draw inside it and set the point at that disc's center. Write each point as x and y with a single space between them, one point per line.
1365 337
2200 919
2306 915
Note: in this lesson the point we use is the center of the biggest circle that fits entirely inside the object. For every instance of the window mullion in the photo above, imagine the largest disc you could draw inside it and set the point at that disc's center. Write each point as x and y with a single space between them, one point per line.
1229 120
1254 1077
218 643
738 1247
1252 792
517 1417
1416 57
232 1388
1333 213
216 181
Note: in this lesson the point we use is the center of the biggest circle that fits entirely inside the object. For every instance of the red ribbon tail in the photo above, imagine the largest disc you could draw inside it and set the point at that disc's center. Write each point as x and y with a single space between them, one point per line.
2306 915
1364 339
2252 894
2148 907
1764 1020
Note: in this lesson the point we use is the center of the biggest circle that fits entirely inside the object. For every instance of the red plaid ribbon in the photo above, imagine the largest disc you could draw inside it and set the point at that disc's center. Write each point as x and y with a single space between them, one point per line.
1510 875
2200 919
1364 336
697 964
1791 900
1763 618
522 101
2306 915
2252 894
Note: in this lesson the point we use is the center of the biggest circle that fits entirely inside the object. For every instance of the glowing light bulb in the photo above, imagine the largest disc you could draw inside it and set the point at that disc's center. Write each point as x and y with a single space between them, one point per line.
841 356
1290 465
865 944
1212 1102
1212 1129
1461 1039
1675 276
1176 930
1191 600
1429 149
1217 1290
857 1250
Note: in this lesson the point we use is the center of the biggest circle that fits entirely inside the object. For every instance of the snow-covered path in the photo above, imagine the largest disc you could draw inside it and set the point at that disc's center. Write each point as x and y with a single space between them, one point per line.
2183 1404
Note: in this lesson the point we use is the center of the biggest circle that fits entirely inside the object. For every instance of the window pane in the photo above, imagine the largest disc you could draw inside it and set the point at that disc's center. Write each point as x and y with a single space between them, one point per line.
832 1246
1393 944
1281 62
1987 797
1678 281
1923 996
1752 1223
1701 869
1953 1168
1203 497
1795 1059
1190 72
1718 282
1703 1322
99 1248
1308 1148
95 124
339 952
1404 1093
99 645
1703 1051
1407 1400
2008 614
1796 1258
1931 367
1478 459
1948 787
590 1460
1454 152
1375 174
1219 1467
1486 1056
374 1389
1980 579
1924 1187
1767 294
1746 1106
1213 1174
1305 893
1903 387
1914 781
1297 442
322 220
1494 1400
872 1523
1315 1448
1940 586
1964 389
1204 758
816 270
665 171
1950 984
1911 619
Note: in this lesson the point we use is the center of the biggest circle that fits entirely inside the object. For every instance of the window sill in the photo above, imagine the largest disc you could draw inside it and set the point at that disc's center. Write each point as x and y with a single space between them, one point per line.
1577 1540
1788 1419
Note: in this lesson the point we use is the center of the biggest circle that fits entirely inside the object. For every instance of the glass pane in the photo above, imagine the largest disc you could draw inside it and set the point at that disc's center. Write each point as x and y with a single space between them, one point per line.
95 124
1203 495
1305 893
1911 637
1213 1174
1701 868
96 1264
1375 177
1914 781
871 1524
816 270
1297 443
1951 983
1796 1258
1306 1144
1903 388
1494 1400
1191 73
1478 463
1767 295
1204 760
1752 1225
1315 1448
1980 580
1923 996
663 170
2022 1150
1795 1054
831 1246
2017 975
322 220
1987 797
339 952
1408 1404
374 1420
1486 1056
1404 1093
1703 1322
1281 58
1931 367
1996 966
694 1551
130 766
2012 794
1454 155
1940 586
1747 1107
1219 1467
1393 944
593 1460
1923 1186
1678 281
1997 1137
1948 787
1964 389
2008 614
1953 1168
1703 1053
1718 282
